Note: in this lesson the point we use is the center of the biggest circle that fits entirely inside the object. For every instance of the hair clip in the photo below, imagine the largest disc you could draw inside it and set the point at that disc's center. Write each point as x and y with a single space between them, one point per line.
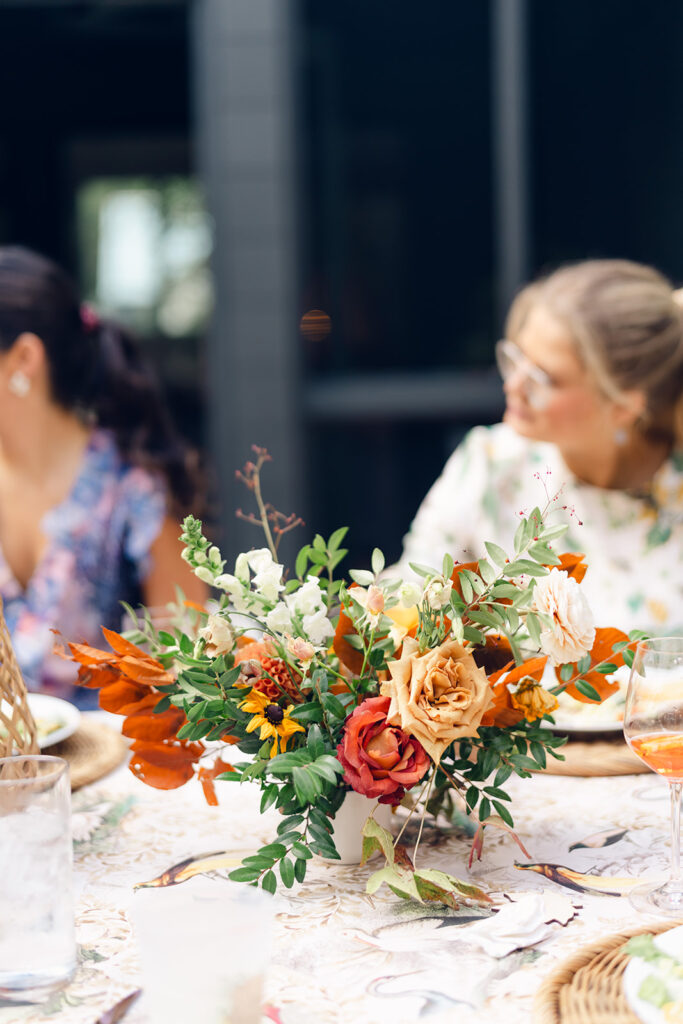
89 318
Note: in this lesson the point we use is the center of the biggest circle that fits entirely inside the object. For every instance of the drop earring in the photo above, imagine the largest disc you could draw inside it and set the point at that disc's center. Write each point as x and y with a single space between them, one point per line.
620 436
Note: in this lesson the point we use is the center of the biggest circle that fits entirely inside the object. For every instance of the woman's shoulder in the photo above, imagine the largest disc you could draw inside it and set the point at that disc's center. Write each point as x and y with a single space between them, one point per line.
498 448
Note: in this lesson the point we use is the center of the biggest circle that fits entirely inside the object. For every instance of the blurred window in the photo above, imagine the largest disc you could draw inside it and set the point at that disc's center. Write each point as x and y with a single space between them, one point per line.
144 246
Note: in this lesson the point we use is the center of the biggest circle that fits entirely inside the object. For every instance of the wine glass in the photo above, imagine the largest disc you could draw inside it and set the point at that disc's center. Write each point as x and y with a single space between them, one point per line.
653 728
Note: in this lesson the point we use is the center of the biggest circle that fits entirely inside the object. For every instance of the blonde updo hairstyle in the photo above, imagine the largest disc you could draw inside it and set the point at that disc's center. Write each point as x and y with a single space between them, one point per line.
627 323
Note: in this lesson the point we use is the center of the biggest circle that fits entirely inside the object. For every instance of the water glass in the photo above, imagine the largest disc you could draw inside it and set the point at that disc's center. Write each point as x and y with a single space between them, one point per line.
653 728
37 936
204 950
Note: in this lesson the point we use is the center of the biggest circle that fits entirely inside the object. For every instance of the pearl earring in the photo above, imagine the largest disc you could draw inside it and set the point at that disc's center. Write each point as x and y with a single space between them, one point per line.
620 436
19 384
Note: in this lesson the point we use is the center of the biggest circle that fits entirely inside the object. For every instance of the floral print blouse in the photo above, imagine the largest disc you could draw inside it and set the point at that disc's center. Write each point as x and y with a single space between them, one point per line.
633 540
97 554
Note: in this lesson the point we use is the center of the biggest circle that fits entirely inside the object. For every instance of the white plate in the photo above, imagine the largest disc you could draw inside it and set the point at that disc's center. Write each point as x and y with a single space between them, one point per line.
579 724
49 710
637 970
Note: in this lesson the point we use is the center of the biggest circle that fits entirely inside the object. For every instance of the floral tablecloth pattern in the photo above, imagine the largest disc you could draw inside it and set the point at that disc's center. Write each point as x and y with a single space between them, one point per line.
341 955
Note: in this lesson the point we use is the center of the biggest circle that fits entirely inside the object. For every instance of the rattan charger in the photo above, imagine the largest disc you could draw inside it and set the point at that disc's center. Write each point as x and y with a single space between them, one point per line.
18 734
587 987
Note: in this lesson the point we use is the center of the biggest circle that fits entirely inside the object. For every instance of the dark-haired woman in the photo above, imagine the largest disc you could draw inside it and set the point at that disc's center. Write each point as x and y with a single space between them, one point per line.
93 478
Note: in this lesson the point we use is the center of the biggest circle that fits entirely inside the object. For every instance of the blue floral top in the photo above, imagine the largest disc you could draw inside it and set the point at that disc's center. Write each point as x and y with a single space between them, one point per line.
97 554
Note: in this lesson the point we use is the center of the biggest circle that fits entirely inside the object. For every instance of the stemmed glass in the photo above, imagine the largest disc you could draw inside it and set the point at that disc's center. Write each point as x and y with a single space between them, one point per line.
653 728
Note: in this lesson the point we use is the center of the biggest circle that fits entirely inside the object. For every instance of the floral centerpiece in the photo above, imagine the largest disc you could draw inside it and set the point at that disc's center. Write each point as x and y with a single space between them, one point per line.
428 694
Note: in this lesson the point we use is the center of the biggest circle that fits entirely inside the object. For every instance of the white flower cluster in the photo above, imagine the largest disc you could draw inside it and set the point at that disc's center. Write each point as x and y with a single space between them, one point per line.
256 594
304 612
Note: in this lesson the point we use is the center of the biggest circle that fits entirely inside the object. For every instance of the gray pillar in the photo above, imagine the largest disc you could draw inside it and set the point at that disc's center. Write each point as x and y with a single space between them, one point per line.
243 81
510 157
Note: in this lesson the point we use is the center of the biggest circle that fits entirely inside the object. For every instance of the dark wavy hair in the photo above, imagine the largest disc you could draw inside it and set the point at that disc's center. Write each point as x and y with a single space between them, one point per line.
96 369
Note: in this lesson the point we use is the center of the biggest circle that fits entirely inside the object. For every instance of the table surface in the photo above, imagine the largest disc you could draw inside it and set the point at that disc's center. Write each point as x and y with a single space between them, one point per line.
341 955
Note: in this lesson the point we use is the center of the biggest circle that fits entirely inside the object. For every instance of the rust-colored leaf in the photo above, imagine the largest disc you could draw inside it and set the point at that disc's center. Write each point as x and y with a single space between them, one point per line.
125 697
207 775
145 670
145 724
605 637
96 678
121 645
163 765
573 564
347 654
84 654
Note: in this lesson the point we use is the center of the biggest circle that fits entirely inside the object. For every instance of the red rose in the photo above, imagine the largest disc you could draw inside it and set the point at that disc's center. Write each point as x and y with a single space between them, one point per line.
379 760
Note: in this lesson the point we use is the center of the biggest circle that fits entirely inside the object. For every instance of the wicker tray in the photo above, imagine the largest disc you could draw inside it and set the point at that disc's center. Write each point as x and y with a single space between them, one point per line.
597 757
586 988
92 751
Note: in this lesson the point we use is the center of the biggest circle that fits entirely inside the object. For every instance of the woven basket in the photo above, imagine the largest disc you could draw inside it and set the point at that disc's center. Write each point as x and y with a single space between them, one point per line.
18 734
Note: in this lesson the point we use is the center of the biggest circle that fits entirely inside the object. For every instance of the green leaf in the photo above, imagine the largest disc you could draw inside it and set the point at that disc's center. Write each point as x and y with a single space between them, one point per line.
538 753
269 797
628 657
587 690
300 869
566 672
306 785
287 872
290 822
362 577
486 571
163 705
606 669
484 809
475 636
504 813
447 566
274 850
376 839
302 561
269 882
496 553
377 561
533 625
466 587
309 712
422 570
336 538
244 874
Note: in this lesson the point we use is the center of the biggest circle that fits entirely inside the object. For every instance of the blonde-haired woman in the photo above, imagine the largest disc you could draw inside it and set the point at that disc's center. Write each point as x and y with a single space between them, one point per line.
593 375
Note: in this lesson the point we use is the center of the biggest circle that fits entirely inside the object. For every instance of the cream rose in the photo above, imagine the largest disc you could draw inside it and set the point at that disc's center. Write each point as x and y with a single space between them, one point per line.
572 633
438 696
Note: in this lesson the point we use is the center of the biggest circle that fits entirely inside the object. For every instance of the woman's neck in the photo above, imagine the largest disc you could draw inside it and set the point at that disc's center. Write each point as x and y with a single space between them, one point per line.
41 444
620 467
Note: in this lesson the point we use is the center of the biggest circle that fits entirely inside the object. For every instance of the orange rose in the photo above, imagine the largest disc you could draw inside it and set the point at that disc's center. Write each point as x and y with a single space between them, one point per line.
379 760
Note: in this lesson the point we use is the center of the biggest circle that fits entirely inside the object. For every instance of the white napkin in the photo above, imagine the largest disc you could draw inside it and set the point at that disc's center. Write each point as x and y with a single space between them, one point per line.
523 923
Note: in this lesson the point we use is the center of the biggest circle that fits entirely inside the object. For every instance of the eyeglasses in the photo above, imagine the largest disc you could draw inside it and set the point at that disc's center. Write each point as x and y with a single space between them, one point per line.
537 383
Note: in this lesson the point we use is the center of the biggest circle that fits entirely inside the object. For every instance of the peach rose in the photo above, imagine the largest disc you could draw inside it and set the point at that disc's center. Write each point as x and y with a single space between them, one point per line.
438 696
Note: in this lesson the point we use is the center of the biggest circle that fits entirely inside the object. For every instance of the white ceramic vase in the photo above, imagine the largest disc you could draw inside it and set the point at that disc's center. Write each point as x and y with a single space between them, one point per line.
348 824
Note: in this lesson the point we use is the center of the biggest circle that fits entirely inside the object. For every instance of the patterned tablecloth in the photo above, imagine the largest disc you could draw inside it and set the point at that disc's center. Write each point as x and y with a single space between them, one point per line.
341 955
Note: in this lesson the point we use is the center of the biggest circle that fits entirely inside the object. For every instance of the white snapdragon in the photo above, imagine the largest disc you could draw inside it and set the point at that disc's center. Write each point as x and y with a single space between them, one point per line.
242 567
317 627
437 593
259 560
279 620
268 582
237 591
308 598
571 633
